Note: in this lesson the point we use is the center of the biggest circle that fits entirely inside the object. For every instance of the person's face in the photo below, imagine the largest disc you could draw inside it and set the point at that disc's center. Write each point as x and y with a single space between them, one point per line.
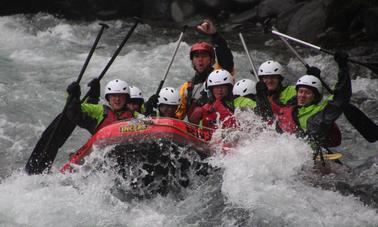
167 110
271 81
220 91
132 106
117 101
305 96
201 61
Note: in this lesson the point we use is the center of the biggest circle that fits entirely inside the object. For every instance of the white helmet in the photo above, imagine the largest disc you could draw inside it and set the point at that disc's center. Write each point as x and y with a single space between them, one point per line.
135 93
270 68
169 96
219 77
244 87
310 81
116 87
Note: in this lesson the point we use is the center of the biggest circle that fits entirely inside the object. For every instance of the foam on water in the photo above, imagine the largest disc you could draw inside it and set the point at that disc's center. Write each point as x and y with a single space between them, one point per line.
261 175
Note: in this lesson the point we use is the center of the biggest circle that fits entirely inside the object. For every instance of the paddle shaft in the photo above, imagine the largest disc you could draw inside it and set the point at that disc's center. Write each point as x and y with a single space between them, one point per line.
249 56
301 59
116 53
103 27
171 61
367 65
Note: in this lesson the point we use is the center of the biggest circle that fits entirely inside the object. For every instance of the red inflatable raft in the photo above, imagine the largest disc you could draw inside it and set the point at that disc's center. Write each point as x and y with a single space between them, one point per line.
140 132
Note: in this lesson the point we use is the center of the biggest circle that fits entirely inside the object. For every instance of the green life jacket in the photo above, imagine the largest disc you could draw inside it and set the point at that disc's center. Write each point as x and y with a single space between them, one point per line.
288 93
95 111
306 112
244 103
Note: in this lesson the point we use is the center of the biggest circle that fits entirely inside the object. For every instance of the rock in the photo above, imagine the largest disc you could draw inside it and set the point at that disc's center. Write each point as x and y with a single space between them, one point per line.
284 18
244 16
215 4
156 9
271 8
370 23
340 13
181 10
252 2
308 22
212 8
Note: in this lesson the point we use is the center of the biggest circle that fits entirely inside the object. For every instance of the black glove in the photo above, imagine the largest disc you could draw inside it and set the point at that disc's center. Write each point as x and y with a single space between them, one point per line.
74 90
261 88
341 58
204 99
94 91
74 109
312 70
151 104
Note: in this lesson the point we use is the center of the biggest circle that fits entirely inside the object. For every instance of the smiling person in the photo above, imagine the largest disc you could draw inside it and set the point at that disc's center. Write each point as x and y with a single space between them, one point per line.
168 101
244 92
271 73
314 115
96 116
204 60
136 103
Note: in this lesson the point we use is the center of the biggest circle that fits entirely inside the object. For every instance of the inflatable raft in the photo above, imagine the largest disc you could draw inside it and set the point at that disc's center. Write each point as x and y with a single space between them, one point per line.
142 134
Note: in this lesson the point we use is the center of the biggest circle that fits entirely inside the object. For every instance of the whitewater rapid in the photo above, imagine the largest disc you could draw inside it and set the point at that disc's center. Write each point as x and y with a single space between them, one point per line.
260 183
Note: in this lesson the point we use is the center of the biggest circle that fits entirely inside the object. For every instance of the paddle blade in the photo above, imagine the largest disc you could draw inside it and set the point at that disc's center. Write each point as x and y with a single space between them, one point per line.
364 125
43 153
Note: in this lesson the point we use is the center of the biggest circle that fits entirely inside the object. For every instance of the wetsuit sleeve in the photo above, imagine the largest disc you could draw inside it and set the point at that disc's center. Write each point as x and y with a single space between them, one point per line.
224 55
320 124
92 115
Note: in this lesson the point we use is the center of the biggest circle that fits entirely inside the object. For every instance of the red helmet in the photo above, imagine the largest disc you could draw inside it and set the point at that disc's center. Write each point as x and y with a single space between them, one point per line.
202 46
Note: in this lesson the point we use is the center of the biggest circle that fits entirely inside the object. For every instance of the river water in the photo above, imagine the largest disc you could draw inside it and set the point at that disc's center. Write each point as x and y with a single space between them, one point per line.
261 183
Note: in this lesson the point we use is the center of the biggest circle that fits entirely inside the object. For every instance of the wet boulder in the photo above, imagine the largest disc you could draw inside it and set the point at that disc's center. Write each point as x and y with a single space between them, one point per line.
370 23
271 8
156 9
284 18
308 22
181 10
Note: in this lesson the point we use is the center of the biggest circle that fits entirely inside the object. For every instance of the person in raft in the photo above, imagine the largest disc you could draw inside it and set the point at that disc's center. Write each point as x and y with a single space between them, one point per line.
136 102
167 103
204 60
311 114
219 109
96 116
244 92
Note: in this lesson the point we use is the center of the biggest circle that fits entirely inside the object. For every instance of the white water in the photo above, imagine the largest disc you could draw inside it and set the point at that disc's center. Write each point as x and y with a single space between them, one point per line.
259 185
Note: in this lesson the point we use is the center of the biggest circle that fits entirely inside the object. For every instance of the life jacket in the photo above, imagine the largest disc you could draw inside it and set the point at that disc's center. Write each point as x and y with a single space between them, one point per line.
216 113
244 103
285 118
110 117
287 122
276 108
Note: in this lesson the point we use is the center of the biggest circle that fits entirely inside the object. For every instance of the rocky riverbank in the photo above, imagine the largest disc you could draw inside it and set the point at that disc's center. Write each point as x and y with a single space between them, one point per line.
311 20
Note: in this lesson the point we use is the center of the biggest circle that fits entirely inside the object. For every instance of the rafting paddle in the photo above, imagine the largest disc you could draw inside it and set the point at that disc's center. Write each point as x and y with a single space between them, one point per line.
61 128
249 57
171 61
363 124
265 108
51 136
372 66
